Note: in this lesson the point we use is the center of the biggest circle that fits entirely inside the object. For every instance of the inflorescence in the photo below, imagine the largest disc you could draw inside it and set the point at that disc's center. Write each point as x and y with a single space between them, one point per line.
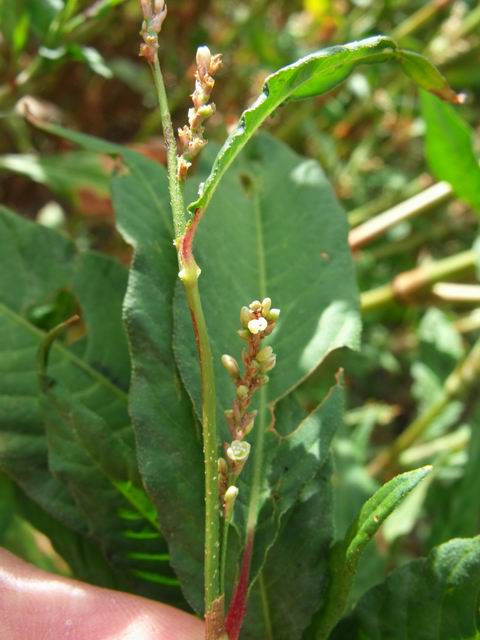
258 321
191 135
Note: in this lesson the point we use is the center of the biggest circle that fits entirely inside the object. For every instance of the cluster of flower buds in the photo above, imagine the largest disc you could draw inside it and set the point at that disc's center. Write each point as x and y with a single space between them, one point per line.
154 13
191 135
258 321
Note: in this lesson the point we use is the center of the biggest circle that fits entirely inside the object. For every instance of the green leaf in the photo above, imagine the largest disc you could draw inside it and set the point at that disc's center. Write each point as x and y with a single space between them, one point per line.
311 76
376 510
434 598
298 580
63 172
36 264
449 149
88 459
275 227
169 444
42 13
427 76
14 24
453 502
296 452
81 554
168 440
278 228
91 57
346 554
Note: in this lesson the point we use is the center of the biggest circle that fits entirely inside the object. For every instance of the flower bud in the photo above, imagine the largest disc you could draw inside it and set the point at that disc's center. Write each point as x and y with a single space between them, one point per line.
215 64
248 421
244 334
264 354
257 325
268 364
242 391
266 304
238 453
222 467
245 316
273 315
263 380
231 365
229 501
207 110
256 304
203 59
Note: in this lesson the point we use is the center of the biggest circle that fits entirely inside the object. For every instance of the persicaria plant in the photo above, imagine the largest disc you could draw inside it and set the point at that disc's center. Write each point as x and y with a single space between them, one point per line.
174 447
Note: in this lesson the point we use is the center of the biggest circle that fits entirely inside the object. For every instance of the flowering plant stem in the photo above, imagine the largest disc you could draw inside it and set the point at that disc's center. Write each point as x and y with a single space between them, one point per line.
189 273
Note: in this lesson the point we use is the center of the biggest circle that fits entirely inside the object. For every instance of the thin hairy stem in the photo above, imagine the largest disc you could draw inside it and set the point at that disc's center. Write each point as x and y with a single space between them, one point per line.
189 273
174 185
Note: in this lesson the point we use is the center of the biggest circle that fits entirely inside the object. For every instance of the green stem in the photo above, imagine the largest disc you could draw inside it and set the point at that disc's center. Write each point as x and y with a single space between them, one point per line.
210 449
174 186
189 276
422 202
223 560
409 283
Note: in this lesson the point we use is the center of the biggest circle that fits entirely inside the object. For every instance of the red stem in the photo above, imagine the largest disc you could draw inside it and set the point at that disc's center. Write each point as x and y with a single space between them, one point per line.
238 606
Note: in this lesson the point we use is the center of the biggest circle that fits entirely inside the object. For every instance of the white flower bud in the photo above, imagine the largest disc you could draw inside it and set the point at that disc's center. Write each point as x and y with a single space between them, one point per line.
266 304
273 315
229 501
238 451
231 365
204 58
268 364
245 316
257 325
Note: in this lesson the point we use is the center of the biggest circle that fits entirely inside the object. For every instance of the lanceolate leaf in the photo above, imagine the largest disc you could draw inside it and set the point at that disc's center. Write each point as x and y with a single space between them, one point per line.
450 152
312 76
346 554
294 579
168 440
434 598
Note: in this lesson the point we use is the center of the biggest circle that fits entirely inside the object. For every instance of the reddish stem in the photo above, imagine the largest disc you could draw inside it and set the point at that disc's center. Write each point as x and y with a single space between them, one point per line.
238 605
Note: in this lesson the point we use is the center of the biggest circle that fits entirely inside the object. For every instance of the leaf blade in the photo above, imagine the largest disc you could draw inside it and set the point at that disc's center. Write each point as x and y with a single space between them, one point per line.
312 76
449 149
434 598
